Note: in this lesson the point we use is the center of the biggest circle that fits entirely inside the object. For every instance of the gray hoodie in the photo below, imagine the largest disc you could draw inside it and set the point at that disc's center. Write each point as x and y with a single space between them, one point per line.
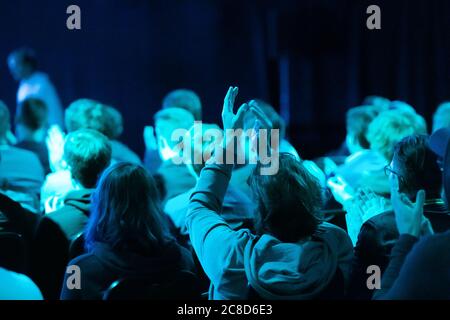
236 261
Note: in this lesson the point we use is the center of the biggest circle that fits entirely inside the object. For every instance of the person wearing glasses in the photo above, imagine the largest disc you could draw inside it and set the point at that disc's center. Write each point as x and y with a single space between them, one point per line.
416 168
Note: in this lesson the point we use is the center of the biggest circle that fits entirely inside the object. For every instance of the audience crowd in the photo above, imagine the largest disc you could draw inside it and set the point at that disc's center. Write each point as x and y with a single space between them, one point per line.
84 217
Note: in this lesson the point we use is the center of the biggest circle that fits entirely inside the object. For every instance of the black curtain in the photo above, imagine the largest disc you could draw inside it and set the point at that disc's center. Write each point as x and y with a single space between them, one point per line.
312 59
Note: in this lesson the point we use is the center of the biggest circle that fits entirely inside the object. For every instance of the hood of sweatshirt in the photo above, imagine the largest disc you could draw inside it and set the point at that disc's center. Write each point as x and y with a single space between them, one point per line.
277 270
80 199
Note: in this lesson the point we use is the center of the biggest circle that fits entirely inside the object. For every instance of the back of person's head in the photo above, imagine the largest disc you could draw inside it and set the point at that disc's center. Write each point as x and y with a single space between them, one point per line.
417 167
379 102
276 120
91 114
389 127
22 62
201 140
184 99
87 153
402 106
170 119
289 202
358 120
126 212
33 114
441 118
5 119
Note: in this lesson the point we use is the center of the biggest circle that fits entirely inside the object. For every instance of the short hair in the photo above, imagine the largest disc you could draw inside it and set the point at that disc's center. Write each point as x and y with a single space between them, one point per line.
389 127
379 102
277 121
25 56
184 99
171 119
5 119
402 106
199 144
358 120
33 114
126 212
88 154
289 202
417 166
91 114
441 118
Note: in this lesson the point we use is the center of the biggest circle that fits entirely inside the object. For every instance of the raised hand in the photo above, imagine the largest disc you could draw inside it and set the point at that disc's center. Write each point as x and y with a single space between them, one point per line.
408 215
340 189
55 145
150 139
370 203
231 120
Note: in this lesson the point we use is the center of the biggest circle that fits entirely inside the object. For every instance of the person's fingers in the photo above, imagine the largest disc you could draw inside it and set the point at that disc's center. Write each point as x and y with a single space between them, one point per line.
261 117
241 113
420 200
226 100
234 94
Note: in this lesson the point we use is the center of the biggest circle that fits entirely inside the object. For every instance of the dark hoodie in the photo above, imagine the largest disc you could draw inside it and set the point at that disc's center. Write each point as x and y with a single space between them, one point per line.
103 265
52 240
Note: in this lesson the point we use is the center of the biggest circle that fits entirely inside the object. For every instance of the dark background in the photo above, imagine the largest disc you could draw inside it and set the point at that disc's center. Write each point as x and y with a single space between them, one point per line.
312 59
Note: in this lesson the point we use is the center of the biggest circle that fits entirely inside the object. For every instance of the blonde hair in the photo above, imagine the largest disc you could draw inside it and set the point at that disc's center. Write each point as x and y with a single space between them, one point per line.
391 126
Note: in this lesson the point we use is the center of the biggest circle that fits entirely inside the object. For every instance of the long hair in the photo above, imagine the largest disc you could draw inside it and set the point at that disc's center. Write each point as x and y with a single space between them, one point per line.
289 202
126 212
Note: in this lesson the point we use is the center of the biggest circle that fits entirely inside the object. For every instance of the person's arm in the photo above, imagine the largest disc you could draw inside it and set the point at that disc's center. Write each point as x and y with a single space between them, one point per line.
212 238
398 255
408 218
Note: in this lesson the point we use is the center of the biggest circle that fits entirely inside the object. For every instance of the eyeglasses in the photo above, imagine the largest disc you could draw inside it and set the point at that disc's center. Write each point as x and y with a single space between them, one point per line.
388 170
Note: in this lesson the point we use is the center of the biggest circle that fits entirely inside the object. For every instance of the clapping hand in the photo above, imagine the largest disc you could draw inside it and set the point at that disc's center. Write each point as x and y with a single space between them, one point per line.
231 120
55 145
150 139
408 215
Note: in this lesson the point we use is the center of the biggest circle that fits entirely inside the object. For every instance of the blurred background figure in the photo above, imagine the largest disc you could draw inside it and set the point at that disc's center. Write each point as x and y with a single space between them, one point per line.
441 118
237 208
23 66
161 148
31 129
184 99
21 172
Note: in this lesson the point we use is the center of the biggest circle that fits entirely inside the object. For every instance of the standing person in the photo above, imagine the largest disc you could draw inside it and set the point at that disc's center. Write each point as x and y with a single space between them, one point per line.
23 65
31 129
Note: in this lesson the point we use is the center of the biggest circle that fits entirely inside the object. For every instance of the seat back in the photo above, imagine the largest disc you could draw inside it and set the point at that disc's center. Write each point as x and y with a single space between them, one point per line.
12 252
76 247
182 285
